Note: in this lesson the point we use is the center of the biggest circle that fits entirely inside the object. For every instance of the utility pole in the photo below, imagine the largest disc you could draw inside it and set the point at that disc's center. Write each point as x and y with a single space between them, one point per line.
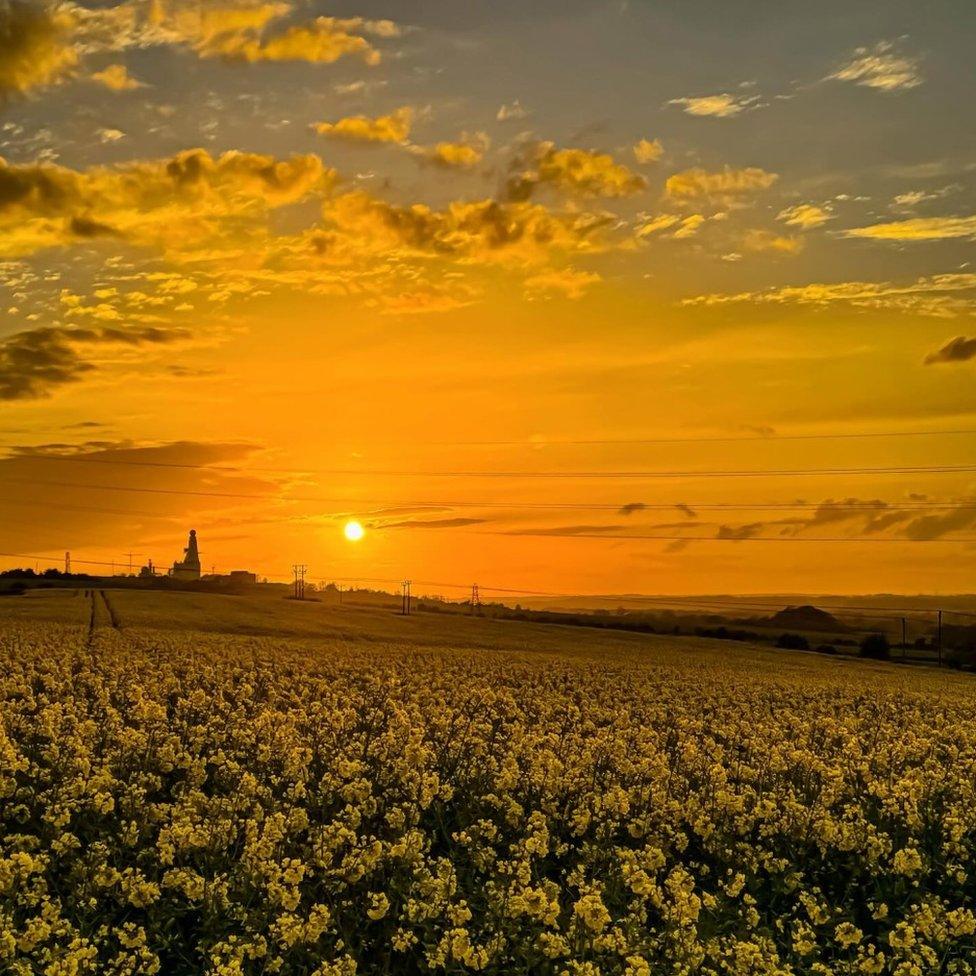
475 599
940 638
67 564
904 638
300 570
405 598
130 563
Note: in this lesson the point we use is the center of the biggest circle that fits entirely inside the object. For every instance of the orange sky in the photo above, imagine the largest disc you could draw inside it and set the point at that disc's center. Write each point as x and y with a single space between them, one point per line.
496 286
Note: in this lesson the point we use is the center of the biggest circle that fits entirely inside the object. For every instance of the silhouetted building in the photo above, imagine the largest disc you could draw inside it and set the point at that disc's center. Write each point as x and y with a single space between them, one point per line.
189 568
148 571
237 577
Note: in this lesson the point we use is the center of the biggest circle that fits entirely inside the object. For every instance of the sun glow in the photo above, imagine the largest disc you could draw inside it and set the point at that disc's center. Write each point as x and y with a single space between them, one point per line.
353 531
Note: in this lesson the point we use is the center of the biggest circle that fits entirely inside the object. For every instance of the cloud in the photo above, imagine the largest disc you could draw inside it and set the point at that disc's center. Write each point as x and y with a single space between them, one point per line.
648 151
766 240
359 226
918 229
421 301
394 127
958 350
324 41
454 155
806 216
566 281
172 203
35 363
927 527
512 112
911 198
943 295
739 532
727 187
43 42
116 78
448 523
659 223
722 106
689 227
577 171
245 31
35 45
881 68
565 530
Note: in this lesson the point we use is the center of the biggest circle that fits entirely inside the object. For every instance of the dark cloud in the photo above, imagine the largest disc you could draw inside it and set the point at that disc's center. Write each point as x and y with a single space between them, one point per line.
89 229
32 364
936 526
877 516
632 508
34 47
581 172
958 350
35 363
881 522
189 372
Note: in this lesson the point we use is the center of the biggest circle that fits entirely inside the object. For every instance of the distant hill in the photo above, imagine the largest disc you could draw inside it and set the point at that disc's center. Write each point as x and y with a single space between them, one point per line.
806 618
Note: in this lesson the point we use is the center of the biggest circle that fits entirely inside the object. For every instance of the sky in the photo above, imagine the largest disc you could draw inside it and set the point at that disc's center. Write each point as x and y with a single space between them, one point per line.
582 297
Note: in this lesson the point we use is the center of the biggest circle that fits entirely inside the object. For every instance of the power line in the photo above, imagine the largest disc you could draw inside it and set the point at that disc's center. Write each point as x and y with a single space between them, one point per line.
535 442
706 538
830 505
537 474
57 560
771 438
700 602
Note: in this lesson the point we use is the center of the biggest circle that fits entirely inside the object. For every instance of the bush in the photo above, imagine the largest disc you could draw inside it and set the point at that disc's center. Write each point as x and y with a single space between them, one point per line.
793 642
876 646
826 649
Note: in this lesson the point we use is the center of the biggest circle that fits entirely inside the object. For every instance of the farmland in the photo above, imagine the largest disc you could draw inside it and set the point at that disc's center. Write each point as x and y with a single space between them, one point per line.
205 784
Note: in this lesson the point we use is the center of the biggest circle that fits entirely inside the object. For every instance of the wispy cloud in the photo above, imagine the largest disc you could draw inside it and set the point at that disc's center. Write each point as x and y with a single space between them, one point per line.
512 112
448 523
918 229
727 186
944 295
720 106
880 67
806 216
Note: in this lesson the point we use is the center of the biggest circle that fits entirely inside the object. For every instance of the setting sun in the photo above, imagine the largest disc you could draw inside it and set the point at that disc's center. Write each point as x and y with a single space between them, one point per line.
353 531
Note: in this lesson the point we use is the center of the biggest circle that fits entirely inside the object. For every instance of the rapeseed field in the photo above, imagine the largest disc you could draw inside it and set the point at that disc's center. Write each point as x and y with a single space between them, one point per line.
183 802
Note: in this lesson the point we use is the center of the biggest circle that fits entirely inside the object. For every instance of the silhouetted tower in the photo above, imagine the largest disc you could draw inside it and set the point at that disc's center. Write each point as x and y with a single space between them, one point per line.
475 599
405 604
189 568
67 564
